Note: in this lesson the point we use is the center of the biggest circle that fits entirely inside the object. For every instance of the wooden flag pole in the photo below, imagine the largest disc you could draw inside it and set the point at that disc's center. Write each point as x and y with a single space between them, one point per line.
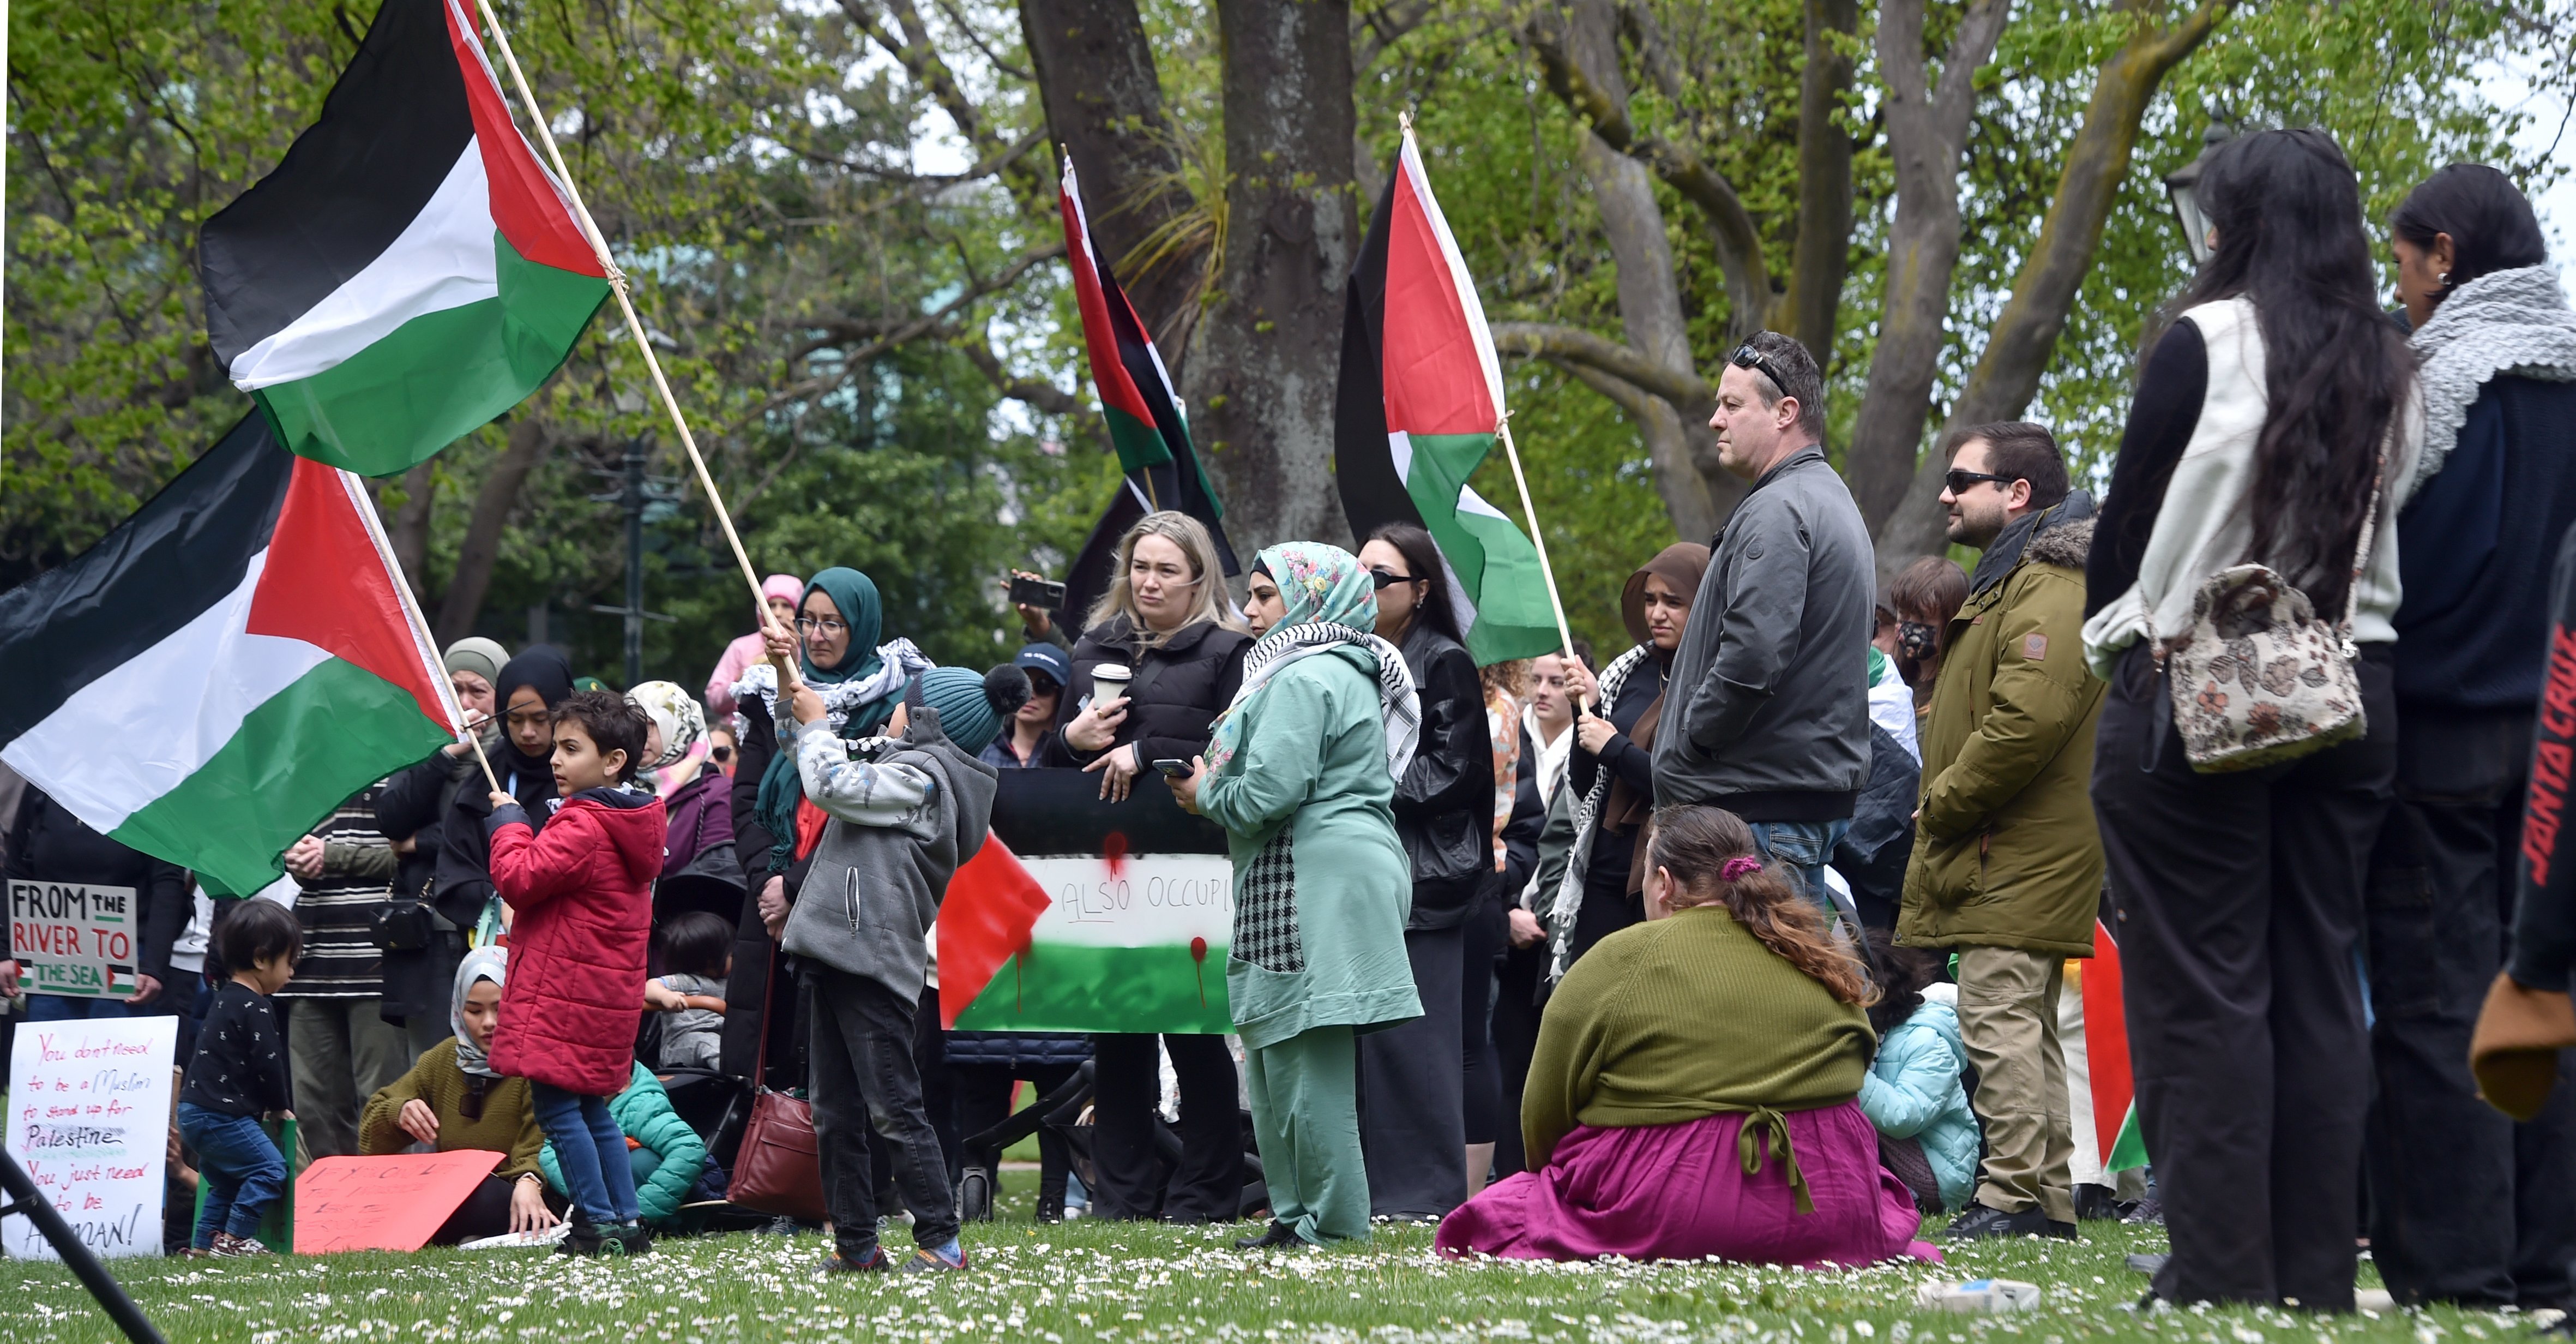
1537 539
635 329
477 739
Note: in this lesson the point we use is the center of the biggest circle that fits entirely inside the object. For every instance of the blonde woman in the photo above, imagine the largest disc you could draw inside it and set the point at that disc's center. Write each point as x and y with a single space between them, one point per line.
1167 619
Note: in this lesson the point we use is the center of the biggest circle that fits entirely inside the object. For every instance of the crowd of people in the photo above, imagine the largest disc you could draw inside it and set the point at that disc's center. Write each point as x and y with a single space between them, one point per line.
1755 940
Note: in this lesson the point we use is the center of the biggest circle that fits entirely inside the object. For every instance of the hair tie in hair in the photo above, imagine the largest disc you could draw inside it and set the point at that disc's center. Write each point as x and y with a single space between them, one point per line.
1740 867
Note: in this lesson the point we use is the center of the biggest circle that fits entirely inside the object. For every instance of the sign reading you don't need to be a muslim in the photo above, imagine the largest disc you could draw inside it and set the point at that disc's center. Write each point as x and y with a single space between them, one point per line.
89 1120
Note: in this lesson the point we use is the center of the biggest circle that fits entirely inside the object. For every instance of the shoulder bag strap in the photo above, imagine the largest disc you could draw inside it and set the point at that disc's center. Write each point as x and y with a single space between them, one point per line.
2361 552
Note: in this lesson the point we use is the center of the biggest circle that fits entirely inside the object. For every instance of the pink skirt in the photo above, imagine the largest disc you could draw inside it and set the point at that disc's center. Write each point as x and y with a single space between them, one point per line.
1680 1192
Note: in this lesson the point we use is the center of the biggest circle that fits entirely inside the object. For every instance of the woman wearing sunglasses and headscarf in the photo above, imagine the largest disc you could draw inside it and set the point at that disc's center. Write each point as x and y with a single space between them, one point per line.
839 620
1301 773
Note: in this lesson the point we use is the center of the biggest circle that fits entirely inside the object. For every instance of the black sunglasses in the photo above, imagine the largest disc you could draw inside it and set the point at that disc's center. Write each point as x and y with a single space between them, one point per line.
1746 357
1959 481
720 755
1383 579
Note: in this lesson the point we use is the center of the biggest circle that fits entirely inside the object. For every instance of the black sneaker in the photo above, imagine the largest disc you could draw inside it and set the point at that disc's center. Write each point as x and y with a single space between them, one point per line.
2061 1231
2149 1212
927 1261
1980 1222
1271 1238
587 1238
841 1262
626 1239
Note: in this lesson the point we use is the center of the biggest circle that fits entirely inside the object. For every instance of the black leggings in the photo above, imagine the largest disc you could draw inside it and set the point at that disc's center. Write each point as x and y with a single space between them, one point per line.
486 1212
1486 935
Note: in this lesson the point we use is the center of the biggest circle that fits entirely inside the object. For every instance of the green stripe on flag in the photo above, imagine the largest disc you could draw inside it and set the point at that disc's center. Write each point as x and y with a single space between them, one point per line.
1494 559
1072 987
1139 444
440 376
301 753
2129 1151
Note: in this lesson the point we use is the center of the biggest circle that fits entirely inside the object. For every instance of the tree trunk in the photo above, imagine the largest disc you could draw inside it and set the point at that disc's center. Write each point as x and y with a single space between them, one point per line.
2018 347
411 527
1927 128
1104 107
474 560
1262 382
1822 255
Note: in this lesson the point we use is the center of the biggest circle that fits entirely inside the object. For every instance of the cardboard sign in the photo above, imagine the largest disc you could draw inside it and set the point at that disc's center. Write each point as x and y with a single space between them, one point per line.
75 938
392 1203
89 1119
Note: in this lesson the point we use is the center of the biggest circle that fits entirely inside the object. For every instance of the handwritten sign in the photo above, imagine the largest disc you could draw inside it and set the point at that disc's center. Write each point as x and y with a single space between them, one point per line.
392 1203
75 938
89 1119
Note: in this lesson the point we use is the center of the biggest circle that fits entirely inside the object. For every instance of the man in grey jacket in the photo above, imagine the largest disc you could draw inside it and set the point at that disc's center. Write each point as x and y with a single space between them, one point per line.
1772 673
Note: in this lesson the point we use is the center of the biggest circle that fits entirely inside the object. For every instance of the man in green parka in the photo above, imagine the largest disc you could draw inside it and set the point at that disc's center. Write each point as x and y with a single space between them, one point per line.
2007 866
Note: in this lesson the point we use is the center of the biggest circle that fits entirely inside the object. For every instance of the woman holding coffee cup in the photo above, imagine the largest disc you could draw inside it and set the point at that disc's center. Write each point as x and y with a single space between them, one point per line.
1161 657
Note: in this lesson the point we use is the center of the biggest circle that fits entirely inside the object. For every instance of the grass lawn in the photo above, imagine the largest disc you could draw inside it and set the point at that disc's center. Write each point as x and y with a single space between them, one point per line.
1082 1282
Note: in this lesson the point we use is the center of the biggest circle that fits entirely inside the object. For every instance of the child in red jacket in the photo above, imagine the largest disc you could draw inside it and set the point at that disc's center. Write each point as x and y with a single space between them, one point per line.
581 893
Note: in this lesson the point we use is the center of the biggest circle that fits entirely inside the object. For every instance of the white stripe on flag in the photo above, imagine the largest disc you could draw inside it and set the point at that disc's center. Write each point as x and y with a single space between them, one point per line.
443 259
1399 446
132 735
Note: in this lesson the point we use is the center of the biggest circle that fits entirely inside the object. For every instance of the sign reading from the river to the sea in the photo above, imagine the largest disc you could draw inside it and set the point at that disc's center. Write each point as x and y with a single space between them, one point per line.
75 938
89 1119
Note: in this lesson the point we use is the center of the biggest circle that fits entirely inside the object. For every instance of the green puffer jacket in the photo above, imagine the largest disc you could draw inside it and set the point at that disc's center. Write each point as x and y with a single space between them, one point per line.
2005 849
669 1162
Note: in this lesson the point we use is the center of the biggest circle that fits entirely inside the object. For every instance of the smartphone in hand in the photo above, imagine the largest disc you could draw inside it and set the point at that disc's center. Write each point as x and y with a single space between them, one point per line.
1172 768
1033 592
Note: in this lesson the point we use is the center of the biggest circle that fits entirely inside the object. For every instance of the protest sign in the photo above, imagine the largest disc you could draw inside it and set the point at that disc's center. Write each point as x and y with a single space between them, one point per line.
1107 917
89 1119
392 1203
75 938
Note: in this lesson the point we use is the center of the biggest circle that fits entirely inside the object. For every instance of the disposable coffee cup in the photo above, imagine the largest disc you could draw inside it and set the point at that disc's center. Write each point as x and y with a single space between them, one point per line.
1109 682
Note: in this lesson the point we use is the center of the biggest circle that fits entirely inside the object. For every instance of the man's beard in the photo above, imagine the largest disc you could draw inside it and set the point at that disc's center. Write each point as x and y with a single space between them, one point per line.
1964 532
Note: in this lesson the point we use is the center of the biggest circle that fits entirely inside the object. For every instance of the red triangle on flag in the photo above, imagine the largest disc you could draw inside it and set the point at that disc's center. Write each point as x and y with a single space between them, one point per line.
992 906
2106 1041
329 584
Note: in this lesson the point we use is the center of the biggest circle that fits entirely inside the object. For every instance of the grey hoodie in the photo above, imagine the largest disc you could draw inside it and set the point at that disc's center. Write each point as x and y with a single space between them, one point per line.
873 892
1772 676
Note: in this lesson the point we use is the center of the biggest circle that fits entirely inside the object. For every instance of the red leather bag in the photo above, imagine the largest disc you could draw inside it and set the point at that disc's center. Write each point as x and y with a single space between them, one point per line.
779 1168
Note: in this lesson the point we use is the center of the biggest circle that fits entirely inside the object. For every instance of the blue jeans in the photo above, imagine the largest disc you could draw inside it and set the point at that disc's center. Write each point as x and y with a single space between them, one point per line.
591 1150
1803 847
238 1165
73 1008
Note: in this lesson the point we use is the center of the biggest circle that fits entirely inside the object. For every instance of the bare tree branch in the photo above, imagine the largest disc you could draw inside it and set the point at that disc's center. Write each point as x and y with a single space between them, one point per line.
887 334
1679 478
1380 28
1045 396
1573 346
957 18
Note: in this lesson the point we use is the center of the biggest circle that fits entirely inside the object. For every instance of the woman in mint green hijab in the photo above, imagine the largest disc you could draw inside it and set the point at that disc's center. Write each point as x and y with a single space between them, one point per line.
1301 773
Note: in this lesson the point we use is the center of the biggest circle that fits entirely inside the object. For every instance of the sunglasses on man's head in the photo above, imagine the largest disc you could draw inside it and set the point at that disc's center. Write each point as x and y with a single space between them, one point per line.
1746 357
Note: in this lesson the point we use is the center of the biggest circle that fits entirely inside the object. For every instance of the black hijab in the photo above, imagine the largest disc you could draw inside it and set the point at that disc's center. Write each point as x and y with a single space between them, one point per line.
549 674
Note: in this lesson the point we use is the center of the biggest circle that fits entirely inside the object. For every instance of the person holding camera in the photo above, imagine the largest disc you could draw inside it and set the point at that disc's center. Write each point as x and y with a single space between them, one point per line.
1161 658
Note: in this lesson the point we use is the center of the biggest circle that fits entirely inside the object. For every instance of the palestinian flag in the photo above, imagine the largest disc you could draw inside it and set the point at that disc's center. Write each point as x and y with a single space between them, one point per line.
1080 915
1145 422
2106 1055
1420 401
409 270
219 672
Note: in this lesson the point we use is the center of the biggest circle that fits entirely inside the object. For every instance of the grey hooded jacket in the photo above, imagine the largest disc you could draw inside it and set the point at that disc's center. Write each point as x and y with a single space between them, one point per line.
1772 675
873 892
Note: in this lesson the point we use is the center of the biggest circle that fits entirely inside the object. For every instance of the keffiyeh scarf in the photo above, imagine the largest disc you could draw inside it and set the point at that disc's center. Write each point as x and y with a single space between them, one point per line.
1578 862
1331 604
2513 321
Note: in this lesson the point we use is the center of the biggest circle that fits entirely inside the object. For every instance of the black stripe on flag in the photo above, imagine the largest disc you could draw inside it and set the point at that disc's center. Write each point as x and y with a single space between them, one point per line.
1373 494
390 130
187 547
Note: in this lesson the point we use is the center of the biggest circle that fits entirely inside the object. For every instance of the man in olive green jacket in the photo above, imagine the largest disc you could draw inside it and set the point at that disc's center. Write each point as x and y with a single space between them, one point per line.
2007 866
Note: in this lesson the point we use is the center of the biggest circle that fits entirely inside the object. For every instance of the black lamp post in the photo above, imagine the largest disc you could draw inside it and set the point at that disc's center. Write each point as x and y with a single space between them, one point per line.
2183 186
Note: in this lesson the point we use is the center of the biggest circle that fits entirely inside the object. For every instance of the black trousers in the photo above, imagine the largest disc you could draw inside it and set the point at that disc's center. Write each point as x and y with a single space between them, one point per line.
1207 1186
983 1093
1517 1002
1413 1128
1481 1080
2466 1206
864 1077
2240 912
486 1212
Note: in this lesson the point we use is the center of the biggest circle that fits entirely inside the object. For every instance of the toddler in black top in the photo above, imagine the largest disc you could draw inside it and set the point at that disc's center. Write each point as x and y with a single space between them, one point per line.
240 1074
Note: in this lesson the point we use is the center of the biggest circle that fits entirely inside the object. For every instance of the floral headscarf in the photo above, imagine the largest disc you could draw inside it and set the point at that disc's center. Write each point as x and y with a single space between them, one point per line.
1331 604
684 731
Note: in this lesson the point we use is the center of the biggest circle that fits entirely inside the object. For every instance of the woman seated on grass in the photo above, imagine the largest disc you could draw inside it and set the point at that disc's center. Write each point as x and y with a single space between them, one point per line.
452 1100
666 1155
1693 1089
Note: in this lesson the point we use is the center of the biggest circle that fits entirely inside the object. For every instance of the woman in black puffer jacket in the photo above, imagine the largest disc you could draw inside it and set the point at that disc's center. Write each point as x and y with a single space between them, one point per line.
1166 618
1412 1078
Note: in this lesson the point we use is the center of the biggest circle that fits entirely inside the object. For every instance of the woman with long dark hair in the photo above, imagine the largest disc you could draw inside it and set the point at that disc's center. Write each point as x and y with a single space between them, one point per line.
2272 416
2466 1206
1413 1119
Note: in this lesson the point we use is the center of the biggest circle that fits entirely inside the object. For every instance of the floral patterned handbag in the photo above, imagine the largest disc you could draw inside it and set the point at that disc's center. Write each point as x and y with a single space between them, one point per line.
2259 679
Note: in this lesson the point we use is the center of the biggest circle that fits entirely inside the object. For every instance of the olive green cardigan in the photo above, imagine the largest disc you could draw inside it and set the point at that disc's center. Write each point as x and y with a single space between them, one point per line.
507 1124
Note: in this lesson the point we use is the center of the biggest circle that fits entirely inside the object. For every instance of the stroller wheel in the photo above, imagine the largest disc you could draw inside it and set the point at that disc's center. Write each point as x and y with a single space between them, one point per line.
975 1196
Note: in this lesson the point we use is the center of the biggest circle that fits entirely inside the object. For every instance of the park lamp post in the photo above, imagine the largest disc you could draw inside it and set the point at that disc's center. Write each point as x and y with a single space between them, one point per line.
2182 186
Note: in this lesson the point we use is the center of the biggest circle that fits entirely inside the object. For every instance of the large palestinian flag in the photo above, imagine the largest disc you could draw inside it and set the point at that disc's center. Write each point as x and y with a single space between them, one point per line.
409 270
1420 400
1136 398
1080 915
219 672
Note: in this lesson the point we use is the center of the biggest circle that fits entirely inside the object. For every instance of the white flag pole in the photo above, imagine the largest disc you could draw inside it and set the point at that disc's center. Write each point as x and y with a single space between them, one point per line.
635 329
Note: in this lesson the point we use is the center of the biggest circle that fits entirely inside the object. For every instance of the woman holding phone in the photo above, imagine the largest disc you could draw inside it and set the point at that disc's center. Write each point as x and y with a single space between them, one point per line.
1161 657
